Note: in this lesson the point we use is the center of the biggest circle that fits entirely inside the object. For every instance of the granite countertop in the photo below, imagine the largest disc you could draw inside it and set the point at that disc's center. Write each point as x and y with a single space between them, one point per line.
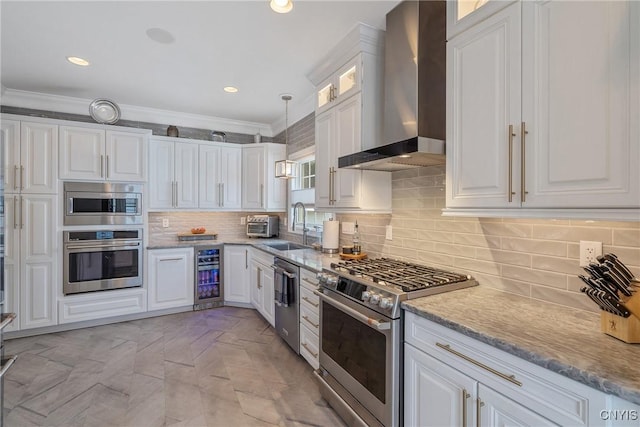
564 340
306 258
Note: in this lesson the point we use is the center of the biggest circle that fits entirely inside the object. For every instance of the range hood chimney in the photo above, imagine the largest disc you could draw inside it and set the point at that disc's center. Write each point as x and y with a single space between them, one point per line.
415 91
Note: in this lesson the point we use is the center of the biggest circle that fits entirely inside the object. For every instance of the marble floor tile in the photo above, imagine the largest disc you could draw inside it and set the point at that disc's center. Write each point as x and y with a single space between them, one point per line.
219 367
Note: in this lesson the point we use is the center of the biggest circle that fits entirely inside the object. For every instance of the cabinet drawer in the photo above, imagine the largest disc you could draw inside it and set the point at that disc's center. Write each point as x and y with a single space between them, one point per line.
310 318
308 279
262 257
310 300
309 346
92 306
560 399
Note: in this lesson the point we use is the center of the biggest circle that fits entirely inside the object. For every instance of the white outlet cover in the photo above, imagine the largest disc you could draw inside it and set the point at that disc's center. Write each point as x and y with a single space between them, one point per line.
165 222
389 232
589 251
243 220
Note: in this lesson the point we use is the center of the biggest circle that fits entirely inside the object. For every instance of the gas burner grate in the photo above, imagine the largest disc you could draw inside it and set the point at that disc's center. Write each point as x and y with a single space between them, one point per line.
402 275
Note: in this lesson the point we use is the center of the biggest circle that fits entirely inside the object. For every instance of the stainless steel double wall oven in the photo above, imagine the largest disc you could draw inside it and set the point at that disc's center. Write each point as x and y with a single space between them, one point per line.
104 249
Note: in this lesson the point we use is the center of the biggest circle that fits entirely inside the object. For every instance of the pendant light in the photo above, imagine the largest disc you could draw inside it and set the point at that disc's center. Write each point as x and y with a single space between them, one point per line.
286 168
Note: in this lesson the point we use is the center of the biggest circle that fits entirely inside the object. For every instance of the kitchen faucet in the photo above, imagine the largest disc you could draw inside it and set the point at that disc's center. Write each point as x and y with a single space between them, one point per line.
304 221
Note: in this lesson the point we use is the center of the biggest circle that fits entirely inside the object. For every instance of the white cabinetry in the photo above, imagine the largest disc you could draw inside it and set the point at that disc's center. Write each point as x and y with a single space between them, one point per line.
236 274
451 379
30 208
348 120
261 190
309 318
261 282
171 282
96 154
522 131
99 305
173 174
220 177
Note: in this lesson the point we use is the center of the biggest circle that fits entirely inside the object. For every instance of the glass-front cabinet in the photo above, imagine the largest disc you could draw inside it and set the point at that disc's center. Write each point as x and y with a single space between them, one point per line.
339 86
463 14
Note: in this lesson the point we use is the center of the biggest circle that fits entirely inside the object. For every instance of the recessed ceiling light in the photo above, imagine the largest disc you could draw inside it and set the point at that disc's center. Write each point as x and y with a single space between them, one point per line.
78 61
281 6
230 89
161 36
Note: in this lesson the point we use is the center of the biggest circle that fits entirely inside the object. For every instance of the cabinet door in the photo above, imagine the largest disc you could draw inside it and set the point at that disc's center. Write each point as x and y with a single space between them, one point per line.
268 301
436 394
231 177
462 14
11 137
210 187
347 141
38 272
325 125
171 282
12 258
236 274
483 86
253 178
82 153
497 410
325 95
38 158
577 89
186 175
348 79
161 173
126 156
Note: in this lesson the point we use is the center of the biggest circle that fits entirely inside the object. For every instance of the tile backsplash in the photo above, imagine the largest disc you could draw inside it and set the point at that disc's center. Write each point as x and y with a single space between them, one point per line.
532 257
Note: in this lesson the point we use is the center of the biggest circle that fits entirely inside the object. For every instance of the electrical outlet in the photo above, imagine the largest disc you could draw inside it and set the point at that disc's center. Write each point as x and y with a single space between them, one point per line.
589 251
243 220
165 222
348 227
388 232
286 221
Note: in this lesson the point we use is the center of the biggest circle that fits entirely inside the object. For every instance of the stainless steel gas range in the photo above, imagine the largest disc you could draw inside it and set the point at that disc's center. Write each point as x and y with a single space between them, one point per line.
361 333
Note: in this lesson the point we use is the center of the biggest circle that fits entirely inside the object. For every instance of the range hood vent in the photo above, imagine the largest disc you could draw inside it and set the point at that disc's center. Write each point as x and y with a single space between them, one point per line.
415 91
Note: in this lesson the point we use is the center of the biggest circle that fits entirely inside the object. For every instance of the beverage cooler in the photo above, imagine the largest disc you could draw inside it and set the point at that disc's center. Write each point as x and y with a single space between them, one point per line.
208 287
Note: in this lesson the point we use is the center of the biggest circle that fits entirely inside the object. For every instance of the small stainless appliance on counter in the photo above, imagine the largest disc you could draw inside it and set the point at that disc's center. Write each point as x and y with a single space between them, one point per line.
263 225
287 301
361 329
208 289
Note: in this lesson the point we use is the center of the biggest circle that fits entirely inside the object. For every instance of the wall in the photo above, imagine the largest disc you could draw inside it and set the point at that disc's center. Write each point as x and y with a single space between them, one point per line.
226 224
530 257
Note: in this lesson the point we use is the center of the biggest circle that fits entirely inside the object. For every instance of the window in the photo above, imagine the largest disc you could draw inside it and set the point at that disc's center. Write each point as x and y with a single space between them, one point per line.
307 175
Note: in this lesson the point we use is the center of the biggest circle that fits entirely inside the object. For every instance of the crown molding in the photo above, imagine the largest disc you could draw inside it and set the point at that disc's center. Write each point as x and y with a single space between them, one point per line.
66 104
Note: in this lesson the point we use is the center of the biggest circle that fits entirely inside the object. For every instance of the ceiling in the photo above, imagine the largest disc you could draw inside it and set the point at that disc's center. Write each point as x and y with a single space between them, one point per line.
216 44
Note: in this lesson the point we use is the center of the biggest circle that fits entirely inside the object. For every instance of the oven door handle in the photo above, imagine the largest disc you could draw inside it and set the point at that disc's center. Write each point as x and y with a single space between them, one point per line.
134 245
381 326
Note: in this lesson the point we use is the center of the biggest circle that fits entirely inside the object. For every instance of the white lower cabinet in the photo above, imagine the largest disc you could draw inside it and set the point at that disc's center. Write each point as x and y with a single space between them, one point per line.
99 305
236 274
309 318
451 379
170 278
261 283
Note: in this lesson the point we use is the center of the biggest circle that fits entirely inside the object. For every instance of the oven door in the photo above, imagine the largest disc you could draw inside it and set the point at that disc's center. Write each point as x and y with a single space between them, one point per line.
97 266
360 349
86 208
257 229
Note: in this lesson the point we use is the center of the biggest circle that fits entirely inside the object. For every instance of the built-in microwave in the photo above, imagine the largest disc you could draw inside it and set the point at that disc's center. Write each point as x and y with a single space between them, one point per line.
102 203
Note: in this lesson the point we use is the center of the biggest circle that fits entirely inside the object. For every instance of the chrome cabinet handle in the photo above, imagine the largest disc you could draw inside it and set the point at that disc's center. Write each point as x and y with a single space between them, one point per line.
15 212
246 259
106 166
310 322
101 166
315 355
511 135
171 259
21 212
15 177
21 177
479 412
510 378
222 194
261 195
315 304
177 196
523 191
465 396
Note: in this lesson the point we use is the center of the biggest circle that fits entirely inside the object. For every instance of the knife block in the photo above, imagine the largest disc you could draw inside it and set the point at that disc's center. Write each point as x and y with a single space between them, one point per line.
625 329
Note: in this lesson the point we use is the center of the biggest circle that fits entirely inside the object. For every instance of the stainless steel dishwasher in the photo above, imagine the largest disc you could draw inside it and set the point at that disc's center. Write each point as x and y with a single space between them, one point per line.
287 302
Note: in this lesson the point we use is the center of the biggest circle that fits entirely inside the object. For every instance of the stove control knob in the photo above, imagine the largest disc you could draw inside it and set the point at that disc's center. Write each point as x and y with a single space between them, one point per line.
366 295
375 299
331 280
386 303
322 277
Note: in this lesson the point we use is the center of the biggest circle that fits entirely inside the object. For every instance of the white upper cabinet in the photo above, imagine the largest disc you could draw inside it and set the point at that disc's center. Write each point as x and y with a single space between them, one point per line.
463 14
173 174
90 153
30 157
261 190
531 130
220 177
349 90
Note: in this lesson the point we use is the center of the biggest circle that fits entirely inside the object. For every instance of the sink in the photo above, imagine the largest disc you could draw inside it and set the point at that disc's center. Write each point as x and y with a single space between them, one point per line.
286 246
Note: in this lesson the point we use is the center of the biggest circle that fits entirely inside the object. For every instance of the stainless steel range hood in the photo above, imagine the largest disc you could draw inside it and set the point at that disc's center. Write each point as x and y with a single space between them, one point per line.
414 111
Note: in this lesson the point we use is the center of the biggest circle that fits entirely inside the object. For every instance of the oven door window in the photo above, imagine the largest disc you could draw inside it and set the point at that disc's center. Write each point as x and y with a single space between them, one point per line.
123 205
357 348
103 265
